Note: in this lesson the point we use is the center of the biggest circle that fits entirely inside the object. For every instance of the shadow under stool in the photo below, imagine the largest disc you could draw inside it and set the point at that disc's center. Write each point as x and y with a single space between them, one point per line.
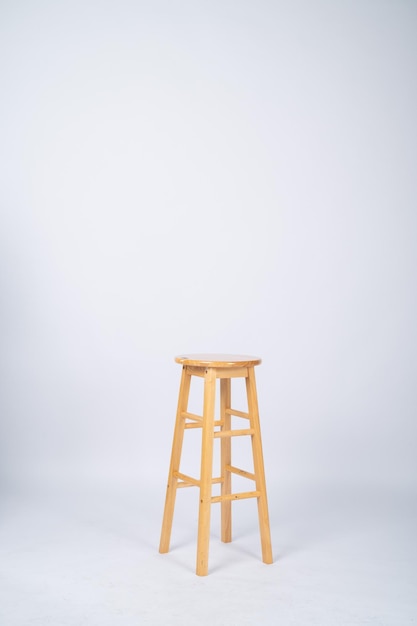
211 367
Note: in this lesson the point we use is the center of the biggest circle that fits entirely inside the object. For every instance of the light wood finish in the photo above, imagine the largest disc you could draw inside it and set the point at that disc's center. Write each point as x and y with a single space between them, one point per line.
236 496
192 416
225 460
225 368
218 360
240 472
258 463
234 433
175 462
237 413
187 479
206 473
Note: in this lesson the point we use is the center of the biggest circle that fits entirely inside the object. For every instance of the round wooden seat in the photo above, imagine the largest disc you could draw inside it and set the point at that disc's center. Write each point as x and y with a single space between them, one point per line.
218 360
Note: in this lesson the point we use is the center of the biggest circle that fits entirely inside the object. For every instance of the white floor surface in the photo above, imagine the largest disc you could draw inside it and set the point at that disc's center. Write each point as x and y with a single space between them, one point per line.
342 557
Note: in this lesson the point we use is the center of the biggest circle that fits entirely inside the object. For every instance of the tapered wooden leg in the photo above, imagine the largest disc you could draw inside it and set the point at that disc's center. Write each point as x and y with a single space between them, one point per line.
259 467
206 472
225 460
175 462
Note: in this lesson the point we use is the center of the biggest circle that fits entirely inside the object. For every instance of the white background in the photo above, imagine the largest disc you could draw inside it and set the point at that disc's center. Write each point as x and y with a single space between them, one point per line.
207 177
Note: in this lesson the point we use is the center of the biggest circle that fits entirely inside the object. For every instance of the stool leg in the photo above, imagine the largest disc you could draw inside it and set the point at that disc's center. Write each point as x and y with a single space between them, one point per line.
175 462
259 467
206 472
225 460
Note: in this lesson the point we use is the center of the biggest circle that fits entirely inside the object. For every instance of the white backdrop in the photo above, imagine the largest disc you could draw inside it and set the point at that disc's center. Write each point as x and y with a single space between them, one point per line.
207 176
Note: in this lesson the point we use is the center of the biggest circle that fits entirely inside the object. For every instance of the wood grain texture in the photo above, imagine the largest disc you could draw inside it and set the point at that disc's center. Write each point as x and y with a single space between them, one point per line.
218 360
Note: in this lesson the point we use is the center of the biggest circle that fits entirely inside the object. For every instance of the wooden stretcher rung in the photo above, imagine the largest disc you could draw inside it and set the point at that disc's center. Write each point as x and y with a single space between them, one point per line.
240 472
200 425
236 496
191 416
238 413
234 433
188 480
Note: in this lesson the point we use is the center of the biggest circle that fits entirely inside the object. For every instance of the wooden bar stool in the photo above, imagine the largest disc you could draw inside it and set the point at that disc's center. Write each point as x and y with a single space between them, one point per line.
210 367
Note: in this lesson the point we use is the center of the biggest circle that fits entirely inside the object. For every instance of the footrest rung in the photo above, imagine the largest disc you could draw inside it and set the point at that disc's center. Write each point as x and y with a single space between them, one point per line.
188 481
236 496
240 472
237 413
234 433
191 416
198 425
